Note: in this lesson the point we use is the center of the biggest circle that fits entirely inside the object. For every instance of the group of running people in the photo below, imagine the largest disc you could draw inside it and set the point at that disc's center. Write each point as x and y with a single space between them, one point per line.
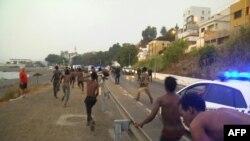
68 79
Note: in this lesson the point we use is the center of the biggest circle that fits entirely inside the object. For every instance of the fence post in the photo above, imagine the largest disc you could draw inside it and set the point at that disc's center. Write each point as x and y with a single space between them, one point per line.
121 125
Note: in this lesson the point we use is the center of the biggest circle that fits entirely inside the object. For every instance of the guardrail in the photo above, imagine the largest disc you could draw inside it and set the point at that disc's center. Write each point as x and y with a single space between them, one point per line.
138 133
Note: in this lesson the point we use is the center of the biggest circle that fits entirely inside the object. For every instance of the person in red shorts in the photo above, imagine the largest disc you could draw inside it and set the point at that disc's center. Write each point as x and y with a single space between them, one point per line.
23 82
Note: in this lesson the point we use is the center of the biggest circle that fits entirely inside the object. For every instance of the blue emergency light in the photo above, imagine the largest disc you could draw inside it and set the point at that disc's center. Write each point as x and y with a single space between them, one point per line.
234 75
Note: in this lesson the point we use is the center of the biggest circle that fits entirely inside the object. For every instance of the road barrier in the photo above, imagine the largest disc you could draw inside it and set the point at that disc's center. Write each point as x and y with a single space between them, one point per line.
126 124
181 80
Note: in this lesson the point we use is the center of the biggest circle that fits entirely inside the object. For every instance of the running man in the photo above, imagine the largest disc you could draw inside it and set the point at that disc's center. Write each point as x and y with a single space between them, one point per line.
72 77
66 86
90 100
80 79
173 129
208 125
144 80
56 81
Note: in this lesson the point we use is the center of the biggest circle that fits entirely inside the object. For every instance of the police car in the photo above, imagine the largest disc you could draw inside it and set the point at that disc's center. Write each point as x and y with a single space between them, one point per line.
232 90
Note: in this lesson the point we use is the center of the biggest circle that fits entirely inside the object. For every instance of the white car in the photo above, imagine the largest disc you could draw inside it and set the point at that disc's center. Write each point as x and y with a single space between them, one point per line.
227 92
128 71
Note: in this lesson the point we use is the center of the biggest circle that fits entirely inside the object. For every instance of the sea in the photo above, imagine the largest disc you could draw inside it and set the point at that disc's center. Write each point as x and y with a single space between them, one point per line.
9 75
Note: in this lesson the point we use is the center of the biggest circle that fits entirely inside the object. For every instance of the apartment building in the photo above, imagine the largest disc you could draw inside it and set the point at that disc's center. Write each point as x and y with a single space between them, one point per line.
240 14
215 30
192 16
155 47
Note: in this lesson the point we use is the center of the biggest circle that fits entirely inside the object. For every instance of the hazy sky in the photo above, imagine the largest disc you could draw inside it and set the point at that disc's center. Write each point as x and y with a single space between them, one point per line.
32 29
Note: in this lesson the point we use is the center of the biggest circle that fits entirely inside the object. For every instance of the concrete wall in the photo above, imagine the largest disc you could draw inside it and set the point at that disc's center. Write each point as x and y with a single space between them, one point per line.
181 80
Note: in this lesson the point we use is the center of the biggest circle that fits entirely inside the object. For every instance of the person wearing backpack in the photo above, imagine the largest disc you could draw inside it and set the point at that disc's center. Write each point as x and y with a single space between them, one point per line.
144 85
56 81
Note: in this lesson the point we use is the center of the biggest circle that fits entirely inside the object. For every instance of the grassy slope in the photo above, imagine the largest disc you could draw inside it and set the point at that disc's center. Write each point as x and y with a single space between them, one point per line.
233 55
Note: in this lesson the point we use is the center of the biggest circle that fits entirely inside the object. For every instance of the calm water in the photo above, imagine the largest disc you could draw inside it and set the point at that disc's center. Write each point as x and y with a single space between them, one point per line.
9 75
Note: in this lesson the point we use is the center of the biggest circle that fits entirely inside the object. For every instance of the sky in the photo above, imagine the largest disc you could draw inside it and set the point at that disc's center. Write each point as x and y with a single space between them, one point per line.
33 29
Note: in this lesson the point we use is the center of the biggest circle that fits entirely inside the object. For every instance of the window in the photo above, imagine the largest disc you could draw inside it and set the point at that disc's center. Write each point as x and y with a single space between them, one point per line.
226 96
213 40
190 19
210 27
202 12
216 25
247 10
202 18
199 89
188 12
237 14
202 30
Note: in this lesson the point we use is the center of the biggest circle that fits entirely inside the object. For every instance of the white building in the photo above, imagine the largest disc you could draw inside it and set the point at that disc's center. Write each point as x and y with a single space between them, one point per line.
214 30
142 55
20 61
68 55
192 16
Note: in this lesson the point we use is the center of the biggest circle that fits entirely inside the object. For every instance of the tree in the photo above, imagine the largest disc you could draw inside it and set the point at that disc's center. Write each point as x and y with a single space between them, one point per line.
39 64
113 51
148 34
164 31
54 59
127 55
168 35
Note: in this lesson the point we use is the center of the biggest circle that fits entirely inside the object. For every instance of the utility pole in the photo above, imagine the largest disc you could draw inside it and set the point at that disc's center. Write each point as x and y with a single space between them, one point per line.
155 67
129 59
75 48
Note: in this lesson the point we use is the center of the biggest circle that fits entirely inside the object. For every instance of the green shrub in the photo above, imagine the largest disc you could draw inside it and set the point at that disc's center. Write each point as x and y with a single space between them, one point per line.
208 55
174 53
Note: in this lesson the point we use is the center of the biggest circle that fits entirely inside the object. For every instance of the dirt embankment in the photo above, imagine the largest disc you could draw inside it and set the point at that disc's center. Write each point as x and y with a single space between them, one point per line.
45 78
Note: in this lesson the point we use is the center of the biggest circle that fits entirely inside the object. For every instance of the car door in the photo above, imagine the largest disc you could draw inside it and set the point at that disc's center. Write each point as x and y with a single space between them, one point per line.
219 96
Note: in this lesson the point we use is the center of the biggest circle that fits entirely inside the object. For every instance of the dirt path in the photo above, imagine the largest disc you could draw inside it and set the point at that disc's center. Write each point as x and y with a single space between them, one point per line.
41 117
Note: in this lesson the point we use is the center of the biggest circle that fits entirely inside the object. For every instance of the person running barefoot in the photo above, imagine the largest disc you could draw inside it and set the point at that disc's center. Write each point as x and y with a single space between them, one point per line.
173 129
90 100
66 86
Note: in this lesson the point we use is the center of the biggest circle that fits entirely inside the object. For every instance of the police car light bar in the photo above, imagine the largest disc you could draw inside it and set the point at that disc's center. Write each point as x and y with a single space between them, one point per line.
234 75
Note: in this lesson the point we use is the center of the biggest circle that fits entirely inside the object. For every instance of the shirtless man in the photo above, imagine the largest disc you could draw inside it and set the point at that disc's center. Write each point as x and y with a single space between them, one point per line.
90 100
172 126
66 86
144 80
80 79
208 125
72 77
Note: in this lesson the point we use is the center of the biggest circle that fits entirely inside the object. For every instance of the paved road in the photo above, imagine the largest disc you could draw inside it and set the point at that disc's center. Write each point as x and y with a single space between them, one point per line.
126 92
41 117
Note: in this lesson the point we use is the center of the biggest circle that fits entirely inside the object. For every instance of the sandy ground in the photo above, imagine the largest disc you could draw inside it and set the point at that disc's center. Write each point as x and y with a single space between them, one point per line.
41 117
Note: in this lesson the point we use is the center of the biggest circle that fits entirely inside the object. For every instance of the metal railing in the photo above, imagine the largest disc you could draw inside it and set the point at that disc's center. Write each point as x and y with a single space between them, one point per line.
127 124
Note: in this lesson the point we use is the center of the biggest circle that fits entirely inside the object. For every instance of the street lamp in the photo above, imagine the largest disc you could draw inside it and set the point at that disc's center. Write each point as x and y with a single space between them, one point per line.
174 33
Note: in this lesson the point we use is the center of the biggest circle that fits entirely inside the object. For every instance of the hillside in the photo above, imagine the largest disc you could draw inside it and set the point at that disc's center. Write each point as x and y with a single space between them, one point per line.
234 54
